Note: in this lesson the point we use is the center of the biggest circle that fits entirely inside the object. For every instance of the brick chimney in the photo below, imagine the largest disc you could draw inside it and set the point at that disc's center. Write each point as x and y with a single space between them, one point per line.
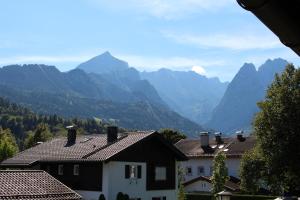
112 134
204 139
71 135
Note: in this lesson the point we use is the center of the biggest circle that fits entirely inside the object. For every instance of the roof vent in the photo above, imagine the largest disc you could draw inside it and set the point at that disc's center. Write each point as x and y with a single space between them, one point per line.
239 136
71 135
204 139
112 134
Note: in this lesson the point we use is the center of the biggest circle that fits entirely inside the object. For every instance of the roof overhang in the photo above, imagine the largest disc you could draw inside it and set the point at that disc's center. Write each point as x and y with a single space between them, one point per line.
177 153
280 16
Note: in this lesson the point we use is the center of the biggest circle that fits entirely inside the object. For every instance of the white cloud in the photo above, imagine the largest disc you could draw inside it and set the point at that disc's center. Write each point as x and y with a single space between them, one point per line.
199 70
167 9
233 41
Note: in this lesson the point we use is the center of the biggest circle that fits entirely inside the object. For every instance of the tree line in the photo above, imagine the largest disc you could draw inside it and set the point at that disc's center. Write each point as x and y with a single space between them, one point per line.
21 128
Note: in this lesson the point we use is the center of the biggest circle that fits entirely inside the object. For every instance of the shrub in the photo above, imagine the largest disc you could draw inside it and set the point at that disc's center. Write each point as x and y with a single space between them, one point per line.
101 197
120 196
126 197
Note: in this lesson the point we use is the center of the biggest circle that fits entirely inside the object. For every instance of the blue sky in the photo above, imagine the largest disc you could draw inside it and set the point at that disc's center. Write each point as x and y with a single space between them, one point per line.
211 37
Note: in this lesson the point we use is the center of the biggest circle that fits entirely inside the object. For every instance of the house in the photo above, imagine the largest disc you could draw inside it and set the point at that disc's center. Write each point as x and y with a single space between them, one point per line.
33 184
201 152
140 164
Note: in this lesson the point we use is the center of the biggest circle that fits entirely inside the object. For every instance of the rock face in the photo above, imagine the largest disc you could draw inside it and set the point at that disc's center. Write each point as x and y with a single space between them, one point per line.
192 95
239 103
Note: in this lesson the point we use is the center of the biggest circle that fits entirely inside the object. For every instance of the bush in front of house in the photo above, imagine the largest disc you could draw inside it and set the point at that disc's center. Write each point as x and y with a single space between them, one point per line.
101 197
126 197
200 196
120 196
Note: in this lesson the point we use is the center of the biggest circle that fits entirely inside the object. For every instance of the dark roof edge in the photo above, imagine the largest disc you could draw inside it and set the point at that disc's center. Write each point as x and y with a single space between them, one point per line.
203 178
279 18
180 156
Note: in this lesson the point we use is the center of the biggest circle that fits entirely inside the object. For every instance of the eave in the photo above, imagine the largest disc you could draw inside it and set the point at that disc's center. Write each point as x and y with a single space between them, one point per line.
280 16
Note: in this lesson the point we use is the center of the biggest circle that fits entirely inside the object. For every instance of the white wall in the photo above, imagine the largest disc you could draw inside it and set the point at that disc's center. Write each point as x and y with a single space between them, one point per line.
195 163
232 164
114 182
202 186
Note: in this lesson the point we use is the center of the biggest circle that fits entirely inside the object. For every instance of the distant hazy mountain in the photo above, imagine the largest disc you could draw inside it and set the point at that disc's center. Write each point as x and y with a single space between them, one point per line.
113 94
238 105
188 93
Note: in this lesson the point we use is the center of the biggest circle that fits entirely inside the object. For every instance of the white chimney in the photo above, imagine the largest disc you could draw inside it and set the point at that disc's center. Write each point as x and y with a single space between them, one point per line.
204 139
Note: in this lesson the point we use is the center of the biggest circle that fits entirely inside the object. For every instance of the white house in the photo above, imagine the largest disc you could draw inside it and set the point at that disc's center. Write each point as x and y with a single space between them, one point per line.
142 165
198 169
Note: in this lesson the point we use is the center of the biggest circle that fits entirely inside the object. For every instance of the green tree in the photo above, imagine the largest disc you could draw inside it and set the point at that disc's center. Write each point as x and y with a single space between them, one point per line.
8 145
172 135
220 173
181 193
251 171
277 128
41 134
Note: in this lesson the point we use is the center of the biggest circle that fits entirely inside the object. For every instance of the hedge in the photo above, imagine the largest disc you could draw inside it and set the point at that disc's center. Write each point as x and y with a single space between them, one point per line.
205 196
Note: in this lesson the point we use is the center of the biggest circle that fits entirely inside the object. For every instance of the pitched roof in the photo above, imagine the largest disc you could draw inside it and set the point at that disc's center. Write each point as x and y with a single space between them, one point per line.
33 184
86 148
232 147
231 184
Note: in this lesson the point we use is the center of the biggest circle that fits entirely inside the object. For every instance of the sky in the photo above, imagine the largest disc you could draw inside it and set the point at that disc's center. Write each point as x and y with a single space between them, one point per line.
212 38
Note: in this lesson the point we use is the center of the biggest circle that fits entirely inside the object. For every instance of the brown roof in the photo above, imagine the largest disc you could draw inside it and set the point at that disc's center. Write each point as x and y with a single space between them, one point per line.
232 147
87 148
33 184
232 184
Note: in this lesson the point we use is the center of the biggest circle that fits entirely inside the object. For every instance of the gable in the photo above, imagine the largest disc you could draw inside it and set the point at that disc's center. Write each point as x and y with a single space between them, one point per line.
147 150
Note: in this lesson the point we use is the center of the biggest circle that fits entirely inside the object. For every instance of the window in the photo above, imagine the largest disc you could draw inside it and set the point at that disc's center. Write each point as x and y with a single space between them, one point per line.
159 198
160 173
203 185
201 171
76 170
188 171
133 171
60 169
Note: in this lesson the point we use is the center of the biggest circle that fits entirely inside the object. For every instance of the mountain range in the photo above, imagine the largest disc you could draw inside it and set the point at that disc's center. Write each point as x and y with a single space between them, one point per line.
119 95
190 94
108 88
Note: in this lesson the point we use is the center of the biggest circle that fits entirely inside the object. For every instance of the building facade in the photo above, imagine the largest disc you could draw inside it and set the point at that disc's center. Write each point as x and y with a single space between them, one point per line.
142 165
198 169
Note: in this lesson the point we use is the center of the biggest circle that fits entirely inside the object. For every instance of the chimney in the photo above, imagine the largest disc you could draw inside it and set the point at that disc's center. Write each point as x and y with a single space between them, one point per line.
112 134
71 135
204 139
239 136
218 137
